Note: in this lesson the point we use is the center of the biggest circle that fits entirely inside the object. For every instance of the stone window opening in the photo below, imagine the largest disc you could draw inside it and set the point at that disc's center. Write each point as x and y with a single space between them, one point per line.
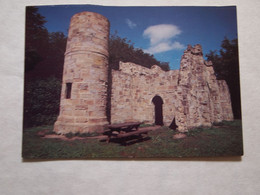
68 90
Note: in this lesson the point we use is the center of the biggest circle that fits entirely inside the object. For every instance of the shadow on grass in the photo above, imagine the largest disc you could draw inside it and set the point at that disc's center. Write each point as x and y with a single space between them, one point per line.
127 141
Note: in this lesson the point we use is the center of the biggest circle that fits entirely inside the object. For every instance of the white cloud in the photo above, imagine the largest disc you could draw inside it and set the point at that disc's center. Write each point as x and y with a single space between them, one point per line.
161 32
178 45
160 38
130 23
164 46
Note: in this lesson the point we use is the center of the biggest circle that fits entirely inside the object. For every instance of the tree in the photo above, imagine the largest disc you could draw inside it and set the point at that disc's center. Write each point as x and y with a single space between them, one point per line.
41 105
54 57
44 51
121 49
44 58
36 38
226 66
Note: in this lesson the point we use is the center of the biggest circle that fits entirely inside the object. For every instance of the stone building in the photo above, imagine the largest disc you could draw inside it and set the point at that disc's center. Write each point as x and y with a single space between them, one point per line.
185 98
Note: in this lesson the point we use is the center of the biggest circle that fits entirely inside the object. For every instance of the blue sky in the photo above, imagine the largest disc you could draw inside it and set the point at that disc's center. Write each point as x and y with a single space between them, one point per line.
164 32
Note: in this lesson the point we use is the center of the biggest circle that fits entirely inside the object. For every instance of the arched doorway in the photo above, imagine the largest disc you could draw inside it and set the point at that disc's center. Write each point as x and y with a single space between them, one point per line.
158 109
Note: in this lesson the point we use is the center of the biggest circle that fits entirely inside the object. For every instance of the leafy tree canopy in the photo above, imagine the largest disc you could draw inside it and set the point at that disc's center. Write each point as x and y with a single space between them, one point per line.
226 66
44 51
121 49
36 37
44 58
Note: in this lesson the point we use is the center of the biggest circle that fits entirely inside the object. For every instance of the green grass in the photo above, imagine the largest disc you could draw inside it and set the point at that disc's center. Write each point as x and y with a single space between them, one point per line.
70 135
223 139
146 125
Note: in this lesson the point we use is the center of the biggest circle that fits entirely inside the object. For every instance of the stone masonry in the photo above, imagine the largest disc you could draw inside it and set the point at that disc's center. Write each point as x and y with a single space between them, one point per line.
134 87
191 96
84 84
201 98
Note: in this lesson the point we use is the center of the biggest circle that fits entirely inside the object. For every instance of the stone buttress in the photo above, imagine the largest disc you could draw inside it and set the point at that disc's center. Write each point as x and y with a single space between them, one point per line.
84 83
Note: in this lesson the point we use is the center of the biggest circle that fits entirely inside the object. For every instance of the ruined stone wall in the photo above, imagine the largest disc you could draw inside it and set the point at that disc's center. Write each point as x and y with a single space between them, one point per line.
134 87
191 95
84 89
202 99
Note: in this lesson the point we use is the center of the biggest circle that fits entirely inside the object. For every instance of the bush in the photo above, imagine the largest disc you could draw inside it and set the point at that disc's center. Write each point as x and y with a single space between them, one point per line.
41 101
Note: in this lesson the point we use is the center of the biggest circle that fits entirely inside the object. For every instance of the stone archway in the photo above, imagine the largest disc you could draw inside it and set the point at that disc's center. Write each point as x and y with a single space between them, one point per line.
158 109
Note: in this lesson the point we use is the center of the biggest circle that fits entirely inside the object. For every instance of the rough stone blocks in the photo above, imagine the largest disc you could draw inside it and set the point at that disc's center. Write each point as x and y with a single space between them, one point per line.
84 75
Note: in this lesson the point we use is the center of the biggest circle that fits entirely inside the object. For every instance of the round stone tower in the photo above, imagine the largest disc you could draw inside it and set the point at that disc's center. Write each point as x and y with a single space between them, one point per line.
84 83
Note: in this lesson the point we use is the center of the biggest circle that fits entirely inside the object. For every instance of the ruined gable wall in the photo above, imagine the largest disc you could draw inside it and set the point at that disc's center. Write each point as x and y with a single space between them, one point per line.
191 95
202 99
133 88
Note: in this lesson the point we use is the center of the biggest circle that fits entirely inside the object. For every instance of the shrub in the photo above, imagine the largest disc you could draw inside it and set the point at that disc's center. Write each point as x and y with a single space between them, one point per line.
41 101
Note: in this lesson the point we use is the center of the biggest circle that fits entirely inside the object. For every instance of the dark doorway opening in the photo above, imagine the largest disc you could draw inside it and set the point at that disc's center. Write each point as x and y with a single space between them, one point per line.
173 124
158 110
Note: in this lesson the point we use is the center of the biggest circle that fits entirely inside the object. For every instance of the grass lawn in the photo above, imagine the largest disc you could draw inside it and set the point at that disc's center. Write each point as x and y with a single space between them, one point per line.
223 139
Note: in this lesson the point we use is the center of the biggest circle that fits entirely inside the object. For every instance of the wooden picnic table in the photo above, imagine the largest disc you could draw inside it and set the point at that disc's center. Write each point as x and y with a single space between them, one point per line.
124 130
125 126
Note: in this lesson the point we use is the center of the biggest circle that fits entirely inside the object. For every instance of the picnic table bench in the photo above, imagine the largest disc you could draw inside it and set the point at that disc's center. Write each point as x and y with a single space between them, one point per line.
125 126
124 130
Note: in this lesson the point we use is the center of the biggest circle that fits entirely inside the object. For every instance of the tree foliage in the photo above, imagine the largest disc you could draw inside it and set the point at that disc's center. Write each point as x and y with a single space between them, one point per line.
41 105
121 49
44 51
54 57
36 37
226 66
44 57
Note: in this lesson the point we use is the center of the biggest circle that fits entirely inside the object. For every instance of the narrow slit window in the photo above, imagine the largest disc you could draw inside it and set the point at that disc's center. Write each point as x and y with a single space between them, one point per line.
68 90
